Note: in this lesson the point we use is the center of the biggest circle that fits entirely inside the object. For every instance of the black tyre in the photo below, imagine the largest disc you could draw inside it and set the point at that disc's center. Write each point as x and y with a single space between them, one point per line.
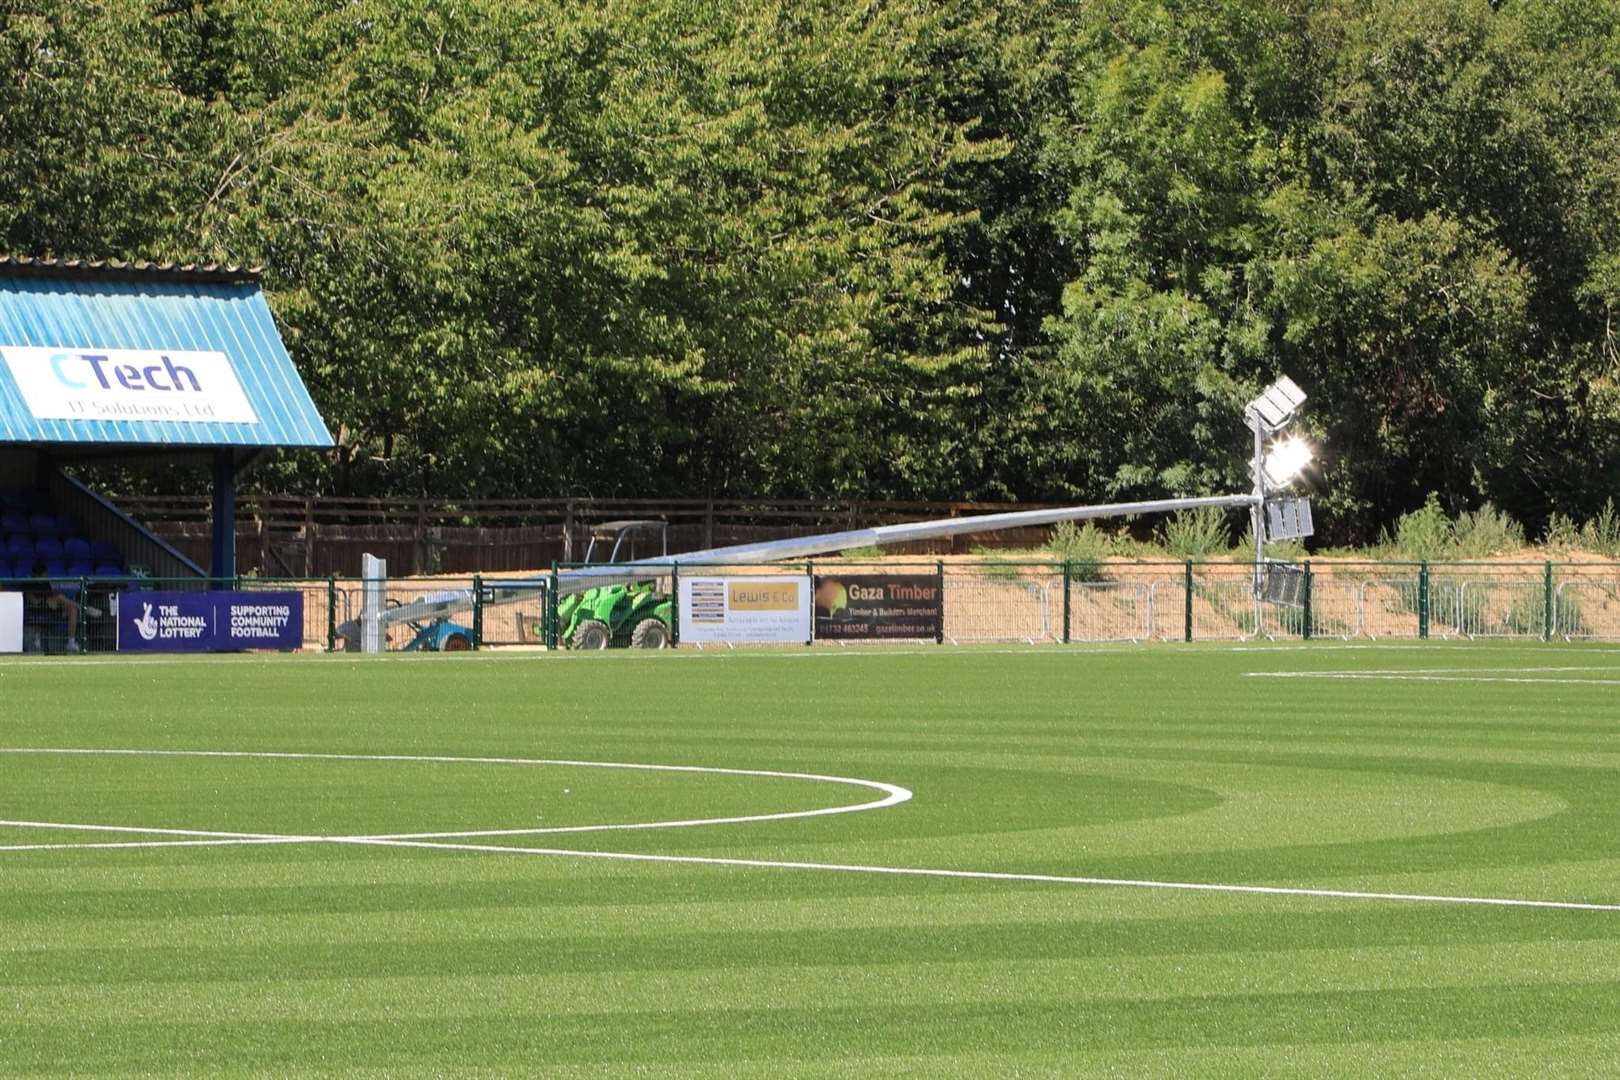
650 634
591 634
457 643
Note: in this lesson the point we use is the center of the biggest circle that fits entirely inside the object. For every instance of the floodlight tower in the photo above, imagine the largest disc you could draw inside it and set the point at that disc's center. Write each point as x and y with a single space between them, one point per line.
1268 417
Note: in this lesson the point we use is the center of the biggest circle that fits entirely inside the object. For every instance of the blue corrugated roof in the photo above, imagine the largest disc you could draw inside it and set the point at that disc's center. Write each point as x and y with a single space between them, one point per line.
88 313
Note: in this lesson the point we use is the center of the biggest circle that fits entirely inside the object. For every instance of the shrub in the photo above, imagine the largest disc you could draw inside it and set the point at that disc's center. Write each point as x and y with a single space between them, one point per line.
1602 533
1562 533
1196 534
999 567
1424 533
1486 531
1083 548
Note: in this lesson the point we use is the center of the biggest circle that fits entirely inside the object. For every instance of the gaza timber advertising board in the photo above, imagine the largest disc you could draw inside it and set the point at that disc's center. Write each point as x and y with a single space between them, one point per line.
753 610
872 607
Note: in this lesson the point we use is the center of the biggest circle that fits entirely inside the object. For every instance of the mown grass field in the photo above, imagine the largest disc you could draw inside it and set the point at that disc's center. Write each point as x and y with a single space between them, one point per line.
1441 770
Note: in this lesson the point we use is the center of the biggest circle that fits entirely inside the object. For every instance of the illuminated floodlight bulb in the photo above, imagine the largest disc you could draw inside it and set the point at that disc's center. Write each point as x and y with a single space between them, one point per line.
1286 460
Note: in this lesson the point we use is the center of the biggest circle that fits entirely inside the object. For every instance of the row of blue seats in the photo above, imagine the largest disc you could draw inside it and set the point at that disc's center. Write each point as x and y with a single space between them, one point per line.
38 522
18 547
56 568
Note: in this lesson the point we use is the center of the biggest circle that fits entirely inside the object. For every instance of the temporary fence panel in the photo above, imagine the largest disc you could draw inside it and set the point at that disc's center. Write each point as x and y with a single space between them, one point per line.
317 594
993 602
989 601
1223 603
1586 603
513 611
1111 610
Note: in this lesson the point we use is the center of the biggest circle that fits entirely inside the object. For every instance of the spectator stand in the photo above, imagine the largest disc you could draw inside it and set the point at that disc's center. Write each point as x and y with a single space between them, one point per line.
136 365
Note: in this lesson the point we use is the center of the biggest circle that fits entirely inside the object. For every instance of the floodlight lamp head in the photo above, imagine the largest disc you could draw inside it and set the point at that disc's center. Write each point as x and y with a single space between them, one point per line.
1274 409
1285 461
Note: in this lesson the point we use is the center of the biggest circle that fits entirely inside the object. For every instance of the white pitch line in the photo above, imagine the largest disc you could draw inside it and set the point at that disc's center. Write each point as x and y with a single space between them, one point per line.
76 827
1539 669
989 875
1374 677
124 844
893 794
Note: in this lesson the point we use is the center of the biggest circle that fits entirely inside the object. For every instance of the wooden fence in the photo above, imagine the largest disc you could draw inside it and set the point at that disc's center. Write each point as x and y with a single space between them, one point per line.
314 536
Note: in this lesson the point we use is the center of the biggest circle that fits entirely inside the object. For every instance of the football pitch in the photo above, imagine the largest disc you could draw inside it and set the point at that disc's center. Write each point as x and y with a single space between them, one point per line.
1200 860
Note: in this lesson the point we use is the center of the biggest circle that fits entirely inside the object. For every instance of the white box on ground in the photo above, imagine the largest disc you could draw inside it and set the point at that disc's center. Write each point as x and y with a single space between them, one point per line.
11 622
756 610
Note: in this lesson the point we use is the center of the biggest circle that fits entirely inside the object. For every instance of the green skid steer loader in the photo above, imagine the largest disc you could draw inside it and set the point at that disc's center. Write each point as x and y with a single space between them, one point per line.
637 614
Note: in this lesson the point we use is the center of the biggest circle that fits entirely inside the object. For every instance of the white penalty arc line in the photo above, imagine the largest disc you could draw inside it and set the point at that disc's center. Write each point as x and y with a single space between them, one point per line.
892 794
990 875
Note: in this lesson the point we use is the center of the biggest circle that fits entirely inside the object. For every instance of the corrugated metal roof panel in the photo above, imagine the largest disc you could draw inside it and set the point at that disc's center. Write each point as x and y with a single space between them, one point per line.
156 312
118 270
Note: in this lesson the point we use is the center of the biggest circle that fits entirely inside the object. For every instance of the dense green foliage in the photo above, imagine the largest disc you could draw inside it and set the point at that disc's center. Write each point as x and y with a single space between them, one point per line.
1494 778
918 248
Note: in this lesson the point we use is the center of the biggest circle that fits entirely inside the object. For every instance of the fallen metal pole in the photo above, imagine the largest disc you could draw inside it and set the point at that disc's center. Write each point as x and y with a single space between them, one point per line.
445 603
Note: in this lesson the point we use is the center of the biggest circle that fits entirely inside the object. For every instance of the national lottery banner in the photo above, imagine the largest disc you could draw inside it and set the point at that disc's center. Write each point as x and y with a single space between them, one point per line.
869 607
209 621
757 610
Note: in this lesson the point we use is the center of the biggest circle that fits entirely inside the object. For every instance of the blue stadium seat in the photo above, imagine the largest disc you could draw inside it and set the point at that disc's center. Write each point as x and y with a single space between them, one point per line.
81 568
20 547
42 522
76 547
48 547
109 570
55 568
14 521
5 569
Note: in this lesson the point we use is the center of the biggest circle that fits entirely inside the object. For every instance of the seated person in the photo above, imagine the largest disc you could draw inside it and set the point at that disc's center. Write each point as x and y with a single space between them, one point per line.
49 600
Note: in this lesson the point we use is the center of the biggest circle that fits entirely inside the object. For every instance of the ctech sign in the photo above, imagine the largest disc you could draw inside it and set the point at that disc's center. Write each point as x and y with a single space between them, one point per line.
160 385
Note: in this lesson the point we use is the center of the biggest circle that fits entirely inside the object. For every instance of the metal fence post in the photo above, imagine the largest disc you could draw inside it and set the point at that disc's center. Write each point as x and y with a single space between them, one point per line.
939 628
1305 600
1423 601
810 572
331 613
1547 606
674 605
84 600
552 602
1187 594
1067 602
478 611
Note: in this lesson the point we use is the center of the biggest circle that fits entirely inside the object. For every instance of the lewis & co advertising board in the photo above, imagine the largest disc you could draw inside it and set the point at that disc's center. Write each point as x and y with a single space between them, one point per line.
754 610
209 621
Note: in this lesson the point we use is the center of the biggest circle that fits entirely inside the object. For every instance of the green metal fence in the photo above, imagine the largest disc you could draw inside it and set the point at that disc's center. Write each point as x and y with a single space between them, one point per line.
982 601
